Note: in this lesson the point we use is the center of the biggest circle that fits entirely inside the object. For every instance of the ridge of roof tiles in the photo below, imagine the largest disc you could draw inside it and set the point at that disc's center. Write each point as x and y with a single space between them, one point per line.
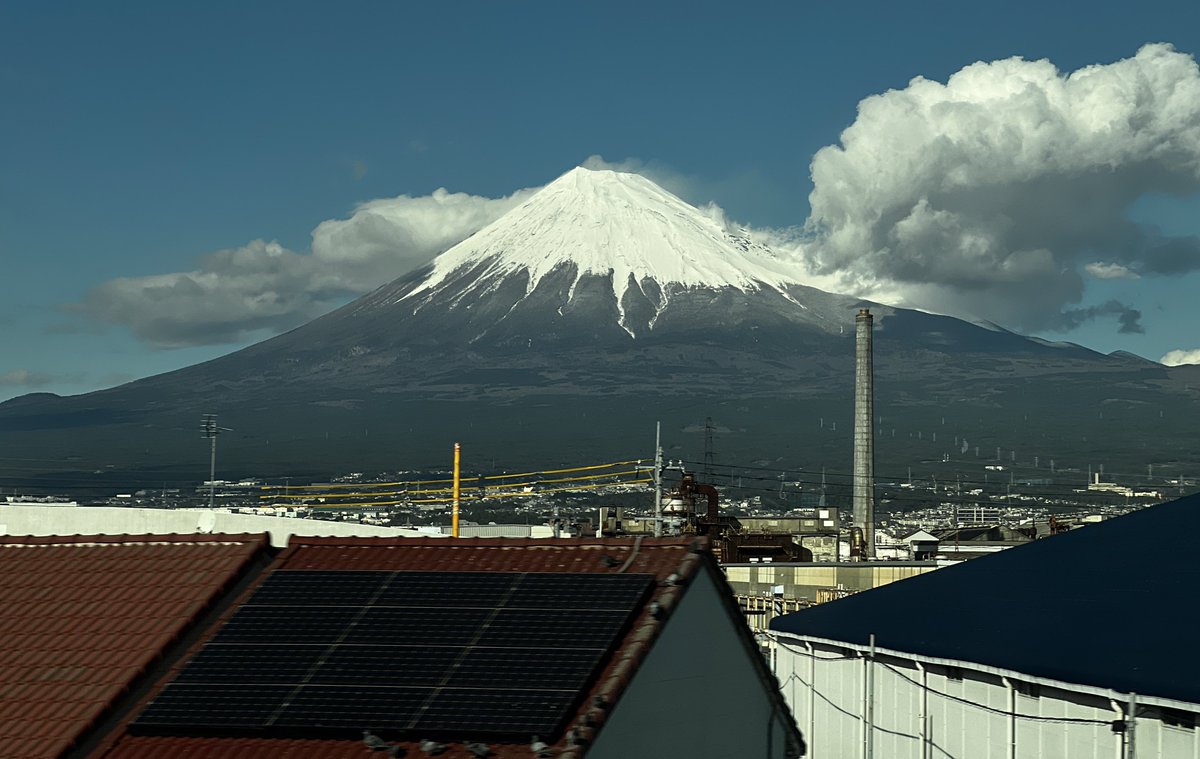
661 557
84 616
8 541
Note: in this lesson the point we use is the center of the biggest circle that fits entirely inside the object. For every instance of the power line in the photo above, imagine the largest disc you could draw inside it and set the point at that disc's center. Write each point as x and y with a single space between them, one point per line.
476 498
486 488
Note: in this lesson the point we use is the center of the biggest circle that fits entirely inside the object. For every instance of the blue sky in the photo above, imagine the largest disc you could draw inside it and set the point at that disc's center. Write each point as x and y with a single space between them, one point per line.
138 138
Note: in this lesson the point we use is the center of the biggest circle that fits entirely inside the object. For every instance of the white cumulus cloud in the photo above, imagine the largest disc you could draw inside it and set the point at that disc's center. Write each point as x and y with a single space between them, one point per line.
1181 357
986 194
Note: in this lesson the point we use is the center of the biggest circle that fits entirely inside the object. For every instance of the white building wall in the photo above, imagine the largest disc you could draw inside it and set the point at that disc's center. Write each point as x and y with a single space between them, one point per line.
500 530
797 581
927 709
119 520
697 695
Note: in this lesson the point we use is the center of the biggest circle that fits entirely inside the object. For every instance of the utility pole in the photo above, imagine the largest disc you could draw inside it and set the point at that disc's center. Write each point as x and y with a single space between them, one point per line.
869 701
209 430
708 450
656 471
456 490
658 468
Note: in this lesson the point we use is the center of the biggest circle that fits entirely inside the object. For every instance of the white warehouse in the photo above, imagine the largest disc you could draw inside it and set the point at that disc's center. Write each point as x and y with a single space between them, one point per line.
1078 646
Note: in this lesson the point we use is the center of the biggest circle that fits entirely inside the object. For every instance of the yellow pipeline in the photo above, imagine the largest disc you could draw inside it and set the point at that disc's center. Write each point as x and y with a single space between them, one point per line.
457 482
492 496
560 471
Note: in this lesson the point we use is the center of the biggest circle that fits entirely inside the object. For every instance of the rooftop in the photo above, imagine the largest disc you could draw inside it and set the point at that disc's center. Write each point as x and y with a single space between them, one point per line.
85 616
400 564
1107 605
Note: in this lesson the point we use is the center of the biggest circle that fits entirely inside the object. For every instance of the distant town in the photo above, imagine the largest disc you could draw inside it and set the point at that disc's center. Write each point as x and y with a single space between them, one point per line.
902 507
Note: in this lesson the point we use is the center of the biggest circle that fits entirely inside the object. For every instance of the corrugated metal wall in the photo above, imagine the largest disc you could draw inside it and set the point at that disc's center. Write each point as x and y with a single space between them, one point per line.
958 712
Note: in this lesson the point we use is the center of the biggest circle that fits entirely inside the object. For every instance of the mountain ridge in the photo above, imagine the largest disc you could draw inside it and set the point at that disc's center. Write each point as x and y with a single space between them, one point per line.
623 306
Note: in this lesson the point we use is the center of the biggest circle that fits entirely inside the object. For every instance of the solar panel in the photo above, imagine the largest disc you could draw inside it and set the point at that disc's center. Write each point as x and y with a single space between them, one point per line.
429 589
526 713
417 625
573 591
455 655
287 624
354 708
345 588
244 705
548 627
270 663
558 668
386 665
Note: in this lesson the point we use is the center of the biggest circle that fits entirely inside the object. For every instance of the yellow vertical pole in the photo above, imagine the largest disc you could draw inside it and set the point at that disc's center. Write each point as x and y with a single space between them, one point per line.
457 470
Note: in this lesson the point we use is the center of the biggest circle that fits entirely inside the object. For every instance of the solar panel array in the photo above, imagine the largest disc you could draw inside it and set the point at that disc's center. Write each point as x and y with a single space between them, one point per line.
417 654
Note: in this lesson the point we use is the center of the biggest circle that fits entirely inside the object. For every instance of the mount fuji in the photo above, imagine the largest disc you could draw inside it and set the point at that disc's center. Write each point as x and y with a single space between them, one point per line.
567 327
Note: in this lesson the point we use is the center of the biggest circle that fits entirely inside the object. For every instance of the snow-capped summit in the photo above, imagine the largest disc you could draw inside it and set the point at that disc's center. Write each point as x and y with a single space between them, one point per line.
622 227
606 221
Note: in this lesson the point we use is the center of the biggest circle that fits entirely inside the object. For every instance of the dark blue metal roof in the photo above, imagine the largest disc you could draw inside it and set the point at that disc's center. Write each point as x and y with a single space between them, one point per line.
1113 605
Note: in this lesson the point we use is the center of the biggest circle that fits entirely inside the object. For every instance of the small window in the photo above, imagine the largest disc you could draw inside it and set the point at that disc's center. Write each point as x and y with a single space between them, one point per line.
1178 718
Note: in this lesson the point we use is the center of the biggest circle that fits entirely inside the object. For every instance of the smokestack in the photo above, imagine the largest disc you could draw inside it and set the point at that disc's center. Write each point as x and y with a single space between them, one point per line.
864 432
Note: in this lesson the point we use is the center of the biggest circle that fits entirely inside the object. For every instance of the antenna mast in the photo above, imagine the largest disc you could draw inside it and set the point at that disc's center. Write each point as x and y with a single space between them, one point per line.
708 450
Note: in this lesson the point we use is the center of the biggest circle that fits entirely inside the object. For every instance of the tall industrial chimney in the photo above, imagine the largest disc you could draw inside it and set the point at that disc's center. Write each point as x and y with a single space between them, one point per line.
864 432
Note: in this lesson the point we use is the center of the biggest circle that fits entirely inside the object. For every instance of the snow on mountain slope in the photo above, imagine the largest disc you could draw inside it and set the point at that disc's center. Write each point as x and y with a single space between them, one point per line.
610 223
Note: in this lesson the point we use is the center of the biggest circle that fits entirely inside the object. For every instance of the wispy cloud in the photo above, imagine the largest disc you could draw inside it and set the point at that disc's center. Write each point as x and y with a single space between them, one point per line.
24 378
262 286
1101 270
1129 319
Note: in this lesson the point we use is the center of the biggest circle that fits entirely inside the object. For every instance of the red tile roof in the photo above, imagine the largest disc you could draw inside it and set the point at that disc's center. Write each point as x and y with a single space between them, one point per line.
657 556
83 616
661 557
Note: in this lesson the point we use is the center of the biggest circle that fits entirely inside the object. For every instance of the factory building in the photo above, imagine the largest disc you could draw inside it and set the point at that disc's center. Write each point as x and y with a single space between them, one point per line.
72 519
1078 646
222 645
771 589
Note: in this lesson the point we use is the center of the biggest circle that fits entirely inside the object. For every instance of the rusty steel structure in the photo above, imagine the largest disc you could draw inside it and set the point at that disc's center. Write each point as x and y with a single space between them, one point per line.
730 541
